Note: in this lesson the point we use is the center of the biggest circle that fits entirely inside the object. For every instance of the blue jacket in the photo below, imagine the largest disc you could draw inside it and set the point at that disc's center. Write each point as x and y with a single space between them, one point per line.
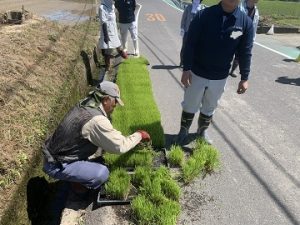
126 10
212 43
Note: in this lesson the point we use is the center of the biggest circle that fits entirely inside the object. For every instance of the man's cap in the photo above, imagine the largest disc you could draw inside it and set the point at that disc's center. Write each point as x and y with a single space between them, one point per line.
111 89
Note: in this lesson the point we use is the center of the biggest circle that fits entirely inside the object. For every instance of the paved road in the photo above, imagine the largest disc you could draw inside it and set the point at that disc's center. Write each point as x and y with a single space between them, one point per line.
257 133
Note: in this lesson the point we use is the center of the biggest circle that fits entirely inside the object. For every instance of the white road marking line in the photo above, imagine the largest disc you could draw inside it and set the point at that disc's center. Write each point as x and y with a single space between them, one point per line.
272 50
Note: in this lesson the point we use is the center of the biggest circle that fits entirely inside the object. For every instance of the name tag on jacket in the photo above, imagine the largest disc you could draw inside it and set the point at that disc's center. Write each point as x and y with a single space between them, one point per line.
236 34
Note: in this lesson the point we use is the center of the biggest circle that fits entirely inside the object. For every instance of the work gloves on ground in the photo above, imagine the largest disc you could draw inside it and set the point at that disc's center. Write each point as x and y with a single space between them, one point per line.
145 136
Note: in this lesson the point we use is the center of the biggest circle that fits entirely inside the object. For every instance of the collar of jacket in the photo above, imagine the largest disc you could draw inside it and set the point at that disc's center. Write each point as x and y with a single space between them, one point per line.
235 13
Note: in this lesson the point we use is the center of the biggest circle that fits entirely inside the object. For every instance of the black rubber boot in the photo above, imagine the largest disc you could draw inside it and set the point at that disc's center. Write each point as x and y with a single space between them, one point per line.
233 68
185 124
203 124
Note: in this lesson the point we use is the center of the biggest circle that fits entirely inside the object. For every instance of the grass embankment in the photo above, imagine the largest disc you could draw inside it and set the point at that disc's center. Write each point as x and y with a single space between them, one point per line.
44 76
274 12
157 199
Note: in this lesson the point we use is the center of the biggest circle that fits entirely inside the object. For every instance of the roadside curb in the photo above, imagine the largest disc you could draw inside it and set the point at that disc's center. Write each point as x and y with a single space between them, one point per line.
278 30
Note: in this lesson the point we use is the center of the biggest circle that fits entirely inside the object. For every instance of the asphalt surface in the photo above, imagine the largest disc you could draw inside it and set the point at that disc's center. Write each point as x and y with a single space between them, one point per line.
257 133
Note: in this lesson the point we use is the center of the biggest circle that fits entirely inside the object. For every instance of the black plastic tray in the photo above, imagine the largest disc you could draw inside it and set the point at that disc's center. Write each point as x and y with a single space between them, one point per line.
102 199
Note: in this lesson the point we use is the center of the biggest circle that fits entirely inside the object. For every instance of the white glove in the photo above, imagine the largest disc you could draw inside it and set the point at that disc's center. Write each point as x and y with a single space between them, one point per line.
181 32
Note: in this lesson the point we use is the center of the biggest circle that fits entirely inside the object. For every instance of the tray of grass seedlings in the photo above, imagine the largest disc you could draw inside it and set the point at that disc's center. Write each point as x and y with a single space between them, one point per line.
176 156
142 155
158 196
118 190
204 160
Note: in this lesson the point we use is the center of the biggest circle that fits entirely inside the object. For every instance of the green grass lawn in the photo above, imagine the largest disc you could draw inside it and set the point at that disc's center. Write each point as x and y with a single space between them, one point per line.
277 12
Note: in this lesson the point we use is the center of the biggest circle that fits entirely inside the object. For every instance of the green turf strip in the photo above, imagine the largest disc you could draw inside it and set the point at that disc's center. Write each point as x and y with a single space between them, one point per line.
140 110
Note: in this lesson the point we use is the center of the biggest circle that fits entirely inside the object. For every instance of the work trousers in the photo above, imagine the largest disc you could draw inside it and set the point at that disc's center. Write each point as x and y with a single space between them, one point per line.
90 174
203 94
124 29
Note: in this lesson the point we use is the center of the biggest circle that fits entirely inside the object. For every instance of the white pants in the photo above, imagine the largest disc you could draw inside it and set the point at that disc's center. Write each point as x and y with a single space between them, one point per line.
203 95
132 28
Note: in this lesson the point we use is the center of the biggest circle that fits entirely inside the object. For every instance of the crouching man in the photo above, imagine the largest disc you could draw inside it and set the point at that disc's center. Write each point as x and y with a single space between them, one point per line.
84 129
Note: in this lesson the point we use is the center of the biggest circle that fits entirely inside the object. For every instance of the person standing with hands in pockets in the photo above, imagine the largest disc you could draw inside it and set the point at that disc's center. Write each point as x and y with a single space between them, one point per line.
214 36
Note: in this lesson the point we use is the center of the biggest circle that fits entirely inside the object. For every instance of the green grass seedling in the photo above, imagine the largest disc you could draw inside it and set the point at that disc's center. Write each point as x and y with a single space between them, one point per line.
162 172
167 213
191 169
207 154
154 204
205 158
170 189
212 158
152 189
176 156
118 186
143 210
140 111
132 159
141 175
110 159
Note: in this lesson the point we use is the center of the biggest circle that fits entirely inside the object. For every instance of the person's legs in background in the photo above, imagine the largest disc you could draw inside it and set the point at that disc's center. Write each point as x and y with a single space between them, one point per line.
106 53
134 36
124 35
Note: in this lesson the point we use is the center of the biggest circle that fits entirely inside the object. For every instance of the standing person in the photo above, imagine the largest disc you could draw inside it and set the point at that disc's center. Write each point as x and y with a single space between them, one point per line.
127 22
83 130
188 15
109 39
215 34
250 8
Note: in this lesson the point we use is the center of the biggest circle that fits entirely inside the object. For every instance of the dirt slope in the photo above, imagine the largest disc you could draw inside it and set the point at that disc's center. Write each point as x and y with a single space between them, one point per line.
37 58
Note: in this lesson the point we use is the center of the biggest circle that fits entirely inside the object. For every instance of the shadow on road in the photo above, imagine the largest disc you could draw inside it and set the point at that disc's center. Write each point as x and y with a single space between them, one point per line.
170 139
165 67
290 81
289 60
282 205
